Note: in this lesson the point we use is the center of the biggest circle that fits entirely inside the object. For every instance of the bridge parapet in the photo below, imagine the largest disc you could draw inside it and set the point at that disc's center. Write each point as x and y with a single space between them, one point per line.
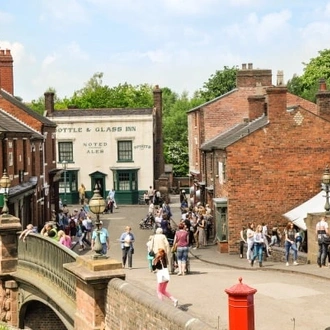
44 258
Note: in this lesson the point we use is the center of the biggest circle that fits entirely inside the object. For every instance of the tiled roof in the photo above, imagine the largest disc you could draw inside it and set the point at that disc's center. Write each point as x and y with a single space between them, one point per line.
234 134
213 100
11 124
10 98
100 112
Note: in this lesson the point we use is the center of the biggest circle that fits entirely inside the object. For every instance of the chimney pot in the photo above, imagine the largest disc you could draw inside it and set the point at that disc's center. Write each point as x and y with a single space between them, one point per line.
280 80
2 52
8 52
322 85
244 66
250 66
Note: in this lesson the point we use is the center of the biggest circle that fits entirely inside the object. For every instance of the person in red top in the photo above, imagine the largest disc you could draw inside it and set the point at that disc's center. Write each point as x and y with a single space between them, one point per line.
181 239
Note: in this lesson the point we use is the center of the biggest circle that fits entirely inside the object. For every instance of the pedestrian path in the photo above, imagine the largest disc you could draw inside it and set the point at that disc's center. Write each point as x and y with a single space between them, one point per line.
211 254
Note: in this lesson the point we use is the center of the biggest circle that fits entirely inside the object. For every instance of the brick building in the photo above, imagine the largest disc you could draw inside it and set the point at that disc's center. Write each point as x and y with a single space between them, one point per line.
29 158
265 155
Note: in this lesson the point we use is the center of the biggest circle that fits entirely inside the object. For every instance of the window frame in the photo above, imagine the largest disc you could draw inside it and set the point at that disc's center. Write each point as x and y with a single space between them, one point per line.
124 151
65 155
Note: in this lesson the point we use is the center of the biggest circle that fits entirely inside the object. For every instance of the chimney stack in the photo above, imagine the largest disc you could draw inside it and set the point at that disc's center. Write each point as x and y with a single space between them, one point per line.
6 71
249 77
277 103
256 106
323 99
159 162
49 103
280 78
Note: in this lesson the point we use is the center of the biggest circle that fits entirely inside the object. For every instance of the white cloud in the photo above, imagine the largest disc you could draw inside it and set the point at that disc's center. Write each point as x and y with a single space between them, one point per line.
48 60
16 49
261 29
5 18
65 11
189 7
76 52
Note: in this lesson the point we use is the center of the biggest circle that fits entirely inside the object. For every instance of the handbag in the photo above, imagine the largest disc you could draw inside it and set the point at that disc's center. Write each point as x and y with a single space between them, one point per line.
174 247
152 253
163 275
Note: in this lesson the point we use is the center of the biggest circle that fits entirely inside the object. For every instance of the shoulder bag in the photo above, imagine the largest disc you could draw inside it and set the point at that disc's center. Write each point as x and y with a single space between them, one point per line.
151 252
163 274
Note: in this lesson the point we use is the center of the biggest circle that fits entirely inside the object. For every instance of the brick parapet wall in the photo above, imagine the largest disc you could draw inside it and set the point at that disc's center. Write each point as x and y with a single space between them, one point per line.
128 307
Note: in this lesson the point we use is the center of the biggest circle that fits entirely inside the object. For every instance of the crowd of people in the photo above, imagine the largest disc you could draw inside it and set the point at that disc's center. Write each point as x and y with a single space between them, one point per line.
260 242
68 229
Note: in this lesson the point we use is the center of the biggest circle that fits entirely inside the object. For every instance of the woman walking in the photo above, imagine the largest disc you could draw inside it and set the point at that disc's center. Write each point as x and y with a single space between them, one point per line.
259 243
181 240
127 239
290 243
250 241
160 264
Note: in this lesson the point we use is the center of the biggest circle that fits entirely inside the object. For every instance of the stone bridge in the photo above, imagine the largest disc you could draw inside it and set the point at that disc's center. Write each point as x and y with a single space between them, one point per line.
44 285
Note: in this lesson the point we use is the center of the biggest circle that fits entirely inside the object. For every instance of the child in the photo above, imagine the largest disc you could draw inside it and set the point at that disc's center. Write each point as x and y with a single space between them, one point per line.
150 248
29 229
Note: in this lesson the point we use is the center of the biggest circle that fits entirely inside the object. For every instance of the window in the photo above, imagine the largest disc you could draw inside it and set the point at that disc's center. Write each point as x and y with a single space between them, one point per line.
65 151
125 153
222 223
124 182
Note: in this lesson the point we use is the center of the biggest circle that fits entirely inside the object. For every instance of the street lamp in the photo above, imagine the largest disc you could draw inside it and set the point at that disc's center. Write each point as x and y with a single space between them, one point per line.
325 187
97 206
5 184
65 166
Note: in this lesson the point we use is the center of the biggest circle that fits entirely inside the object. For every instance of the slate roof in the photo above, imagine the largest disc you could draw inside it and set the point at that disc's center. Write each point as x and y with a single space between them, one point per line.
100 112
10 98
213 100
234 134
9 123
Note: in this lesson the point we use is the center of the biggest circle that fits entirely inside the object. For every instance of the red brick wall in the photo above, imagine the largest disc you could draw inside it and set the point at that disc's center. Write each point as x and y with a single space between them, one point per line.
276 168
40 316
6 71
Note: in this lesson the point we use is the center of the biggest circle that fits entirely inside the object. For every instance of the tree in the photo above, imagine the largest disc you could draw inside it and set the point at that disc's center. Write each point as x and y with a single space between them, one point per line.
306 86
96 95
221 82
175 130
39 104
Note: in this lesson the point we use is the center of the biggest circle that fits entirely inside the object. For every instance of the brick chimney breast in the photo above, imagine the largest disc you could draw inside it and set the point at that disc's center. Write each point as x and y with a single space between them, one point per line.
6 71
256 106
277 103
253 77
49 103
323 100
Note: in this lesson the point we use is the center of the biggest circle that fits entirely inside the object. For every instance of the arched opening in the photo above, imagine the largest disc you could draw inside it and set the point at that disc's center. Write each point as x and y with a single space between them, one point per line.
38 316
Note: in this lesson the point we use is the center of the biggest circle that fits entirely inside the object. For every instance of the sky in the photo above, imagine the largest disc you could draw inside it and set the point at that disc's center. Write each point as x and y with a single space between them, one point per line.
177 44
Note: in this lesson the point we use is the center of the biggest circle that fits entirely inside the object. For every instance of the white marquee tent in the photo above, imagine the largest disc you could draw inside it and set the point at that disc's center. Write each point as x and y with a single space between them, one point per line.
314 205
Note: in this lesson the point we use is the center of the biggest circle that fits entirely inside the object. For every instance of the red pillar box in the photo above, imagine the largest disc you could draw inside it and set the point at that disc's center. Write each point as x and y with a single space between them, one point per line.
241 306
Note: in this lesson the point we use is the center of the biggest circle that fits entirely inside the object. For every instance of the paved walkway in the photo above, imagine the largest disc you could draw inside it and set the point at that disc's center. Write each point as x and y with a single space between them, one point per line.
211 254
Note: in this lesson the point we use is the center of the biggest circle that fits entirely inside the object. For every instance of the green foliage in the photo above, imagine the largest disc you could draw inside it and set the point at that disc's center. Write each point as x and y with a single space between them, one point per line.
221 82
306 86
175 129
95 95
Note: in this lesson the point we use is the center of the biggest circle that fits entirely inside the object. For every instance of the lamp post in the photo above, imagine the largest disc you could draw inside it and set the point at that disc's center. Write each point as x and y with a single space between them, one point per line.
5 184
97 206
65 166
325 187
